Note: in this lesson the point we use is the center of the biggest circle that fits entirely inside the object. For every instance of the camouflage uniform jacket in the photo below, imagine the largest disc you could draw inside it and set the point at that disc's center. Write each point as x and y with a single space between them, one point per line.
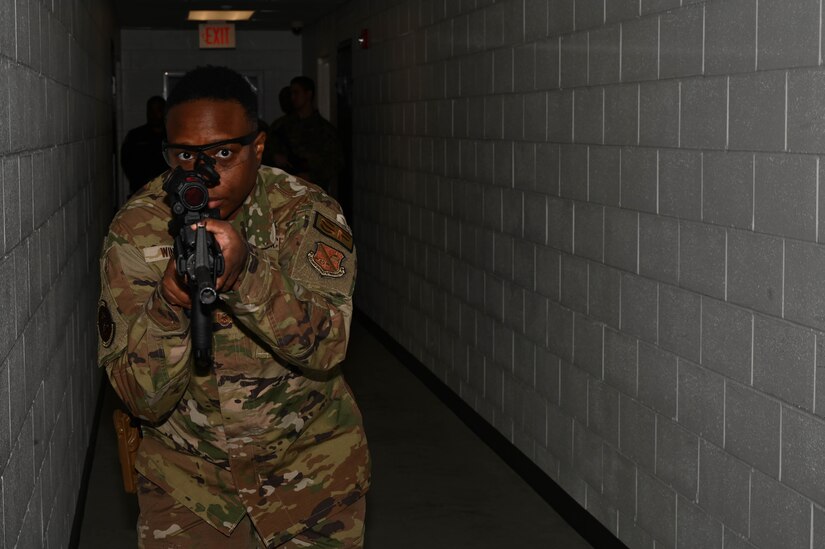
273 431
311 144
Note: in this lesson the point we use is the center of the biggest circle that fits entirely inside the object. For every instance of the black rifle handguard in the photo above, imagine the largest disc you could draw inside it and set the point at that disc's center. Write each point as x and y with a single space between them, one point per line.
197 255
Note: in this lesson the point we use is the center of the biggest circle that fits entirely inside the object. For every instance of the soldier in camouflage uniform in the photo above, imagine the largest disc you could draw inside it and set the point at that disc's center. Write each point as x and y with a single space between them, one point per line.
302 142
268 448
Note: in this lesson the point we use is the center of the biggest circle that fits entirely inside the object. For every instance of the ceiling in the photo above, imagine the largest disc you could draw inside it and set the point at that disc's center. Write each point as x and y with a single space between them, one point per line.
269 14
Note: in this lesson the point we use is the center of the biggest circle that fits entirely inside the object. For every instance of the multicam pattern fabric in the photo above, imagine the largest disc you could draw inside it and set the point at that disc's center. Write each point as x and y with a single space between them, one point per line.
273 431
170 525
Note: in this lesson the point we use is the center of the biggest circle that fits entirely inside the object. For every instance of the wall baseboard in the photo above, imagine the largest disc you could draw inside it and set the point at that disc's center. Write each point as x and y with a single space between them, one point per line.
80 506
568 508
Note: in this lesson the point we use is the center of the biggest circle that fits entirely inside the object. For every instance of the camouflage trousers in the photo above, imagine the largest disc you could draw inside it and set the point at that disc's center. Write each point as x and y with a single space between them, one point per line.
166 524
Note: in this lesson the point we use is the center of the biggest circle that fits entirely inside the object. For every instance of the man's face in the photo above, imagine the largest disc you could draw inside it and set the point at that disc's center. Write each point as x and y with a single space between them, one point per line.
300 97
204 121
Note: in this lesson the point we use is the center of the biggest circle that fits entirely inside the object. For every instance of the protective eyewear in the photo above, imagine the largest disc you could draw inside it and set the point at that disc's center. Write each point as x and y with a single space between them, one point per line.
226 154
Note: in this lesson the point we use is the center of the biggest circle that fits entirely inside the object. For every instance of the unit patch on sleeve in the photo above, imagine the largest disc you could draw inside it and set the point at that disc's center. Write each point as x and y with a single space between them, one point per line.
105 324
325 260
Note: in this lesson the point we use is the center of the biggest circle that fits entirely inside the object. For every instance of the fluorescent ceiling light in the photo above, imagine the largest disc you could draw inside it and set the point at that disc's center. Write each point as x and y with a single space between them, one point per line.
220 15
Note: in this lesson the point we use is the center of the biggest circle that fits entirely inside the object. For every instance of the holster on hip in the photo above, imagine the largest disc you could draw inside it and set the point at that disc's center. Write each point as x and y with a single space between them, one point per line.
128 440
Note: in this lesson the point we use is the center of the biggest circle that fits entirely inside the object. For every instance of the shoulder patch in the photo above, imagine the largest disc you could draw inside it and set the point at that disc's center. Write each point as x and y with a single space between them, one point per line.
158 253
105 324
325 260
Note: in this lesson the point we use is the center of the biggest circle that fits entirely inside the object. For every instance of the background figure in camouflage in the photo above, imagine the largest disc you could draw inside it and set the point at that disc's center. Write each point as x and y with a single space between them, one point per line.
268 449
302 142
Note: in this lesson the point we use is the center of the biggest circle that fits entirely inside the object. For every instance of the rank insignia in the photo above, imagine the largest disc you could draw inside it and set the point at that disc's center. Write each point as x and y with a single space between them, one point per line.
105 324
327 260
223 319
333 230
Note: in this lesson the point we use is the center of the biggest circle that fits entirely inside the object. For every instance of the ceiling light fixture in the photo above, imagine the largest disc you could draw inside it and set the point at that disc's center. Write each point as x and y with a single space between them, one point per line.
220 15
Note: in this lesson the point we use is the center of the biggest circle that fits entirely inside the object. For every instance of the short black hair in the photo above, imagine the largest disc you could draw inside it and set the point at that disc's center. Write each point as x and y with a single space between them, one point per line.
217 83
156 100
305 82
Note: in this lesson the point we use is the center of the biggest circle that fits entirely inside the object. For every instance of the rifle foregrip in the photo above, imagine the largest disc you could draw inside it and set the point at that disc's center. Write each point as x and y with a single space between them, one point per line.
201 327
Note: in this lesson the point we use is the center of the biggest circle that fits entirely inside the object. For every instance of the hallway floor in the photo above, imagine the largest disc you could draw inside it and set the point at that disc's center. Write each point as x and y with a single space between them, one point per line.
435 484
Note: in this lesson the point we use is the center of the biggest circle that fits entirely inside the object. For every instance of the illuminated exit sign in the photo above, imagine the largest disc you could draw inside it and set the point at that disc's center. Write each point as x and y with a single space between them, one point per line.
217 35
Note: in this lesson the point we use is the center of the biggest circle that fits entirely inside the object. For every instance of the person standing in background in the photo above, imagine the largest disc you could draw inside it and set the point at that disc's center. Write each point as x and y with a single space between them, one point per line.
141 156
304 143
285 102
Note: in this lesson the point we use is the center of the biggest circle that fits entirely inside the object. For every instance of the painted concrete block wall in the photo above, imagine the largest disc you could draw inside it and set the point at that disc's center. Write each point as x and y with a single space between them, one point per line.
57 196
145 55
600 222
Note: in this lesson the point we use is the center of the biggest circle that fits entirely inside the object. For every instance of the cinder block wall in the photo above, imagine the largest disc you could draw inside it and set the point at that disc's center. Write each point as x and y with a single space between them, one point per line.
56 180
600 223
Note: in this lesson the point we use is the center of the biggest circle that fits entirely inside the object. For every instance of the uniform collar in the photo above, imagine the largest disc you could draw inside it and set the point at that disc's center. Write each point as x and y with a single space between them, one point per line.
256 219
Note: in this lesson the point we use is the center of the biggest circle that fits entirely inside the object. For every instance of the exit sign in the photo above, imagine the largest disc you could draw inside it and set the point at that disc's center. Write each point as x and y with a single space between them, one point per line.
217 35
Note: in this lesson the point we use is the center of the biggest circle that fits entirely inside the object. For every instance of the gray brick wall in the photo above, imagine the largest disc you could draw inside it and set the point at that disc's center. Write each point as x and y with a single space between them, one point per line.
633 245
57 197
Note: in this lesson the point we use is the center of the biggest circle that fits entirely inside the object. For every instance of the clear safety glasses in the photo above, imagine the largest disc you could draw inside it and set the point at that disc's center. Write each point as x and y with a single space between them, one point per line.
226 153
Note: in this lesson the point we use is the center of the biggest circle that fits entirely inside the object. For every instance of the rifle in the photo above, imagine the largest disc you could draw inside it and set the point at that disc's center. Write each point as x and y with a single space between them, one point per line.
197 255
